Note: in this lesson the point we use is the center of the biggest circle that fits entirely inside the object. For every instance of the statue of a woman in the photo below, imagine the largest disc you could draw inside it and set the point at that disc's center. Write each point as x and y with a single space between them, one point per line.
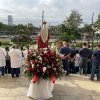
43 37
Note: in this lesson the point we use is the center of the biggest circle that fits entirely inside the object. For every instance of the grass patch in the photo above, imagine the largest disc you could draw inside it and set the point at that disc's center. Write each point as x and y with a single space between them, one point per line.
5 41
5 46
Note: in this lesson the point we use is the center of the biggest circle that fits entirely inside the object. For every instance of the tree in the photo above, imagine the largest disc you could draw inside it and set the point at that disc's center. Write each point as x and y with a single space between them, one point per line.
61 32
21 39
87 29
30 28
97 24
20 29
69 30
73 21
1 26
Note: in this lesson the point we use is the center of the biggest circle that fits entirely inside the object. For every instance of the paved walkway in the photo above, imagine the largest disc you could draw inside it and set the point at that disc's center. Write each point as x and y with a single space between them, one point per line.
73 87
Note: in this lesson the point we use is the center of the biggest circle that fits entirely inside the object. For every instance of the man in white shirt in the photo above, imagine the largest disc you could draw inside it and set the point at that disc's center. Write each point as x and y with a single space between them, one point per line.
15 61
2 59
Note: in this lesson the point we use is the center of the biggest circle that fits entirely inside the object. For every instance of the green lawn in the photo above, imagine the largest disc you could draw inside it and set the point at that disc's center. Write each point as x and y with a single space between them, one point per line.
5 42
5 46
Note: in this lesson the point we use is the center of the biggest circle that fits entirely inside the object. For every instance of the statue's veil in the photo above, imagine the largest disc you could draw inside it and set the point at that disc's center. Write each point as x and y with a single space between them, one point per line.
44 33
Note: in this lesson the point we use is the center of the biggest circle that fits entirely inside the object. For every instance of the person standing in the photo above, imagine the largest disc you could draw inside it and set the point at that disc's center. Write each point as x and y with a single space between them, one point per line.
89 64
8 65
58 46
96 64
84 53
2 60
15 61
72 58
77 61
25 53
65 51
20 57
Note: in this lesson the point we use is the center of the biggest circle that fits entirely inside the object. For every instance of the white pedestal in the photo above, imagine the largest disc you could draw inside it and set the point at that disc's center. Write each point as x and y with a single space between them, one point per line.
41 91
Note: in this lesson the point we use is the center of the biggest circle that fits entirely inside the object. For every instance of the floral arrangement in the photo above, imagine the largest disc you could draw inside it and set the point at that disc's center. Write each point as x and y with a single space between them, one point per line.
43 64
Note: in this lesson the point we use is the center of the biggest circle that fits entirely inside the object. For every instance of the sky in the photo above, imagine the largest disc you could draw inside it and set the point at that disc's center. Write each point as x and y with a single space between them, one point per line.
55 11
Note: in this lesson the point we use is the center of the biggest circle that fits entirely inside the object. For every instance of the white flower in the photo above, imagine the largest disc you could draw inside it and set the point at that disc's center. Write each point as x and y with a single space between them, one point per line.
44 69
40 58
45 52
52 64
49 66
57 59
34 54
35 60
31 62
32 65
55 69
37 64
45 48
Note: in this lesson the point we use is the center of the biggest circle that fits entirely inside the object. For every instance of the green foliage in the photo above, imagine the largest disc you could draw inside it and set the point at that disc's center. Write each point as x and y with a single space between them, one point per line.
29 74
97 24
87 28
18 29
5 41
1 25
69 30
61 32
21 39
73 21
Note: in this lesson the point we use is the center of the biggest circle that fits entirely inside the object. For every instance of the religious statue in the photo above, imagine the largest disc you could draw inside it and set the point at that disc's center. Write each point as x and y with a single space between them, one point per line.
43 36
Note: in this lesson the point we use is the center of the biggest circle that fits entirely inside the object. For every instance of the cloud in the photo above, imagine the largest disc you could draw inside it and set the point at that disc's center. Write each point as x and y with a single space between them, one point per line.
24 11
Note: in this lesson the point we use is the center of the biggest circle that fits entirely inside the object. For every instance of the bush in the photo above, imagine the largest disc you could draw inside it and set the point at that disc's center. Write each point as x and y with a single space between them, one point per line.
21 40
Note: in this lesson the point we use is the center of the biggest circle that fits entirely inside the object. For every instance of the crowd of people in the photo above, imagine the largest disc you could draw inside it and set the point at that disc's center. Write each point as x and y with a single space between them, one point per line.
85 61
11 60
82 61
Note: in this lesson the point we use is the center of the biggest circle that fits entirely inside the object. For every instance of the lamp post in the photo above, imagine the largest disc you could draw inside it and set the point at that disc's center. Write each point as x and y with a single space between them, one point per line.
92 30
42 17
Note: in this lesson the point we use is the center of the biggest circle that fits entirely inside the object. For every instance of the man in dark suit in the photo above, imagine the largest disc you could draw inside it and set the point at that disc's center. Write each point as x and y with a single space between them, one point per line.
65 51
84 53
96 64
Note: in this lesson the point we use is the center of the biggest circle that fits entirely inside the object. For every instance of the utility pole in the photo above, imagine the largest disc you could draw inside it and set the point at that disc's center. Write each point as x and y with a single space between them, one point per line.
49 24
42 17
92 30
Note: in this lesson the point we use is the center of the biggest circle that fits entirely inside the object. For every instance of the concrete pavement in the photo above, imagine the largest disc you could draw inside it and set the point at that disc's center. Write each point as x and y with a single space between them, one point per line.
73 87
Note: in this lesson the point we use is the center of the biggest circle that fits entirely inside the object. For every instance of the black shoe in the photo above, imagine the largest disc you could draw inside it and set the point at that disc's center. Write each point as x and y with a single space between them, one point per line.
17 75
12 76
67 73
91 79
85 74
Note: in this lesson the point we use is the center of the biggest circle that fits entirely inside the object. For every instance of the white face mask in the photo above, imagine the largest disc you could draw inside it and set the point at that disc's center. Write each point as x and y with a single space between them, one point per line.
44 33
